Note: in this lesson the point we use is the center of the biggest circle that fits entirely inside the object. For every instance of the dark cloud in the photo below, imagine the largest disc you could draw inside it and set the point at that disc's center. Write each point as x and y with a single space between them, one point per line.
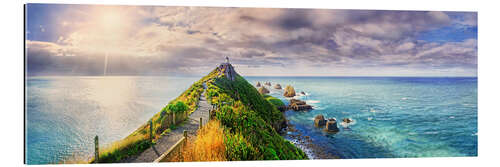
294 19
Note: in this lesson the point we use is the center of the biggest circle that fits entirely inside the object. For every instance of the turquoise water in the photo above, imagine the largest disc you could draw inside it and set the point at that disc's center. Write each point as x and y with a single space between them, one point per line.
394 116
63 114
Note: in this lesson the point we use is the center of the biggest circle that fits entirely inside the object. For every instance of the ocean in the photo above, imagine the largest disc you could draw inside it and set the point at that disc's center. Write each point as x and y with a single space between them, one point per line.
394 116
64 114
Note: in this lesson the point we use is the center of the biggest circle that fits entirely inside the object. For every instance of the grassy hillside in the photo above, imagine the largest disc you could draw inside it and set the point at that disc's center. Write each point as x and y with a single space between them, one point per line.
250 122
244 125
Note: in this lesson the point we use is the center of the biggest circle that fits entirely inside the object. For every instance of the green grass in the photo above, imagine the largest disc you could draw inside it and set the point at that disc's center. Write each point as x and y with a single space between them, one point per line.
251 121
273 100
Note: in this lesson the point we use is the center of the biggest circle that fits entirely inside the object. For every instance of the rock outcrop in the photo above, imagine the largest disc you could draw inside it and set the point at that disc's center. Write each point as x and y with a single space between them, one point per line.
331 125
277 86
263 90
298 102
258 84
319 121
228 70
298 105
347 120
289 91
267 83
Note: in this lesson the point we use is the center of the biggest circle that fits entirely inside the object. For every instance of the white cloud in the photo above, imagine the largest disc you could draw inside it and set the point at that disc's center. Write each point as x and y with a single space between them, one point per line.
314 40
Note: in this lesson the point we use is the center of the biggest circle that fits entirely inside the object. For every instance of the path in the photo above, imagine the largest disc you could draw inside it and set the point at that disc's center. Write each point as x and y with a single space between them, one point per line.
168 140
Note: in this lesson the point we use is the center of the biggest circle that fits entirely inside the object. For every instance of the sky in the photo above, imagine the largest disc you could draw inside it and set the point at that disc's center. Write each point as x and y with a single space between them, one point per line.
192 41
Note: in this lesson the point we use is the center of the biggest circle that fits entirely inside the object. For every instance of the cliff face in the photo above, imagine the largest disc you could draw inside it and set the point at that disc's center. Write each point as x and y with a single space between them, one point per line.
228 70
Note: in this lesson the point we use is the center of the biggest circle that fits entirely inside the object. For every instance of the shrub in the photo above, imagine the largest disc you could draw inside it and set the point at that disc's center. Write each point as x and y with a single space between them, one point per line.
207 146
178 107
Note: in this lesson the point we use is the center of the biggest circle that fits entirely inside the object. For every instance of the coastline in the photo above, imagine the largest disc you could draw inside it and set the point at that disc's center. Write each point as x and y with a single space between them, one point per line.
306 144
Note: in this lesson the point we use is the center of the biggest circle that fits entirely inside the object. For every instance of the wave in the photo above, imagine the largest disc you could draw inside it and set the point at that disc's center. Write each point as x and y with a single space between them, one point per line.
431 133
345 124
312 101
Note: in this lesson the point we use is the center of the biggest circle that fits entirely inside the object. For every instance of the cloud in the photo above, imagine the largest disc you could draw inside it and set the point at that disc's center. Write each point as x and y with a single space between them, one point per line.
147 40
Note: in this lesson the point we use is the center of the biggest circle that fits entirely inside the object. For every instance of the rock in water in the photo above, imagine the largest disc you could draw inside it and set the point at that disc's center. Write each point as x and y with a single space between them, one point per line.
267 83
347 120
319 121
289 91
277 86
299 105
303 93
263 90
331 125
258 84
298 102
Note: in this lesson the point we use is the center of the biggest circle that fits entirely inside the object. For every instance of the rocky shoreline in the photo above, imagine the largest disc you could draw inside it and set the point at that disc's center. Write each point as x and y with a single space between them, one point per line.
306 144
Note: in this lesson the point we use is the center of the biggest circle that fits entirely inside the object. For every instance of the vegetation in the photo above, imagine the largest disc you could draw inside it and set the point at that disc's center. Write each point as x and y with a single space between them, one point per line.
245 125
274 101
139 140
207 146
250 121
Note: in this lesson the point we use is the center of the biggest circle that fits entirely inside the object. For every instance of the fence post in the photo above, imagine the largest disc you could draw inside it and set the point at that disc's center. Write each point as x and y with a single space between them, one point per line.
201 122
151 130
173 120
96 142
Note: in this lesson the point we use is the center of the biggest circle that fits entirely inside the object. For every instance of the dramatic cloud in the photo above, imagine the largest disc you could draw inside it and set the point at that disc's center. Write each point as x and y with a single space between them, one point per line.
144 40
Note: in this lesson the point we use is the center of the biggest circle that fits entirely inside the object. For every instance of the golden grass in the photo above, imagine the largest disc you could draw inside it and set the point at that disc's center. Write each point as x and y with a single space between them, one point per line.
119 145
207 146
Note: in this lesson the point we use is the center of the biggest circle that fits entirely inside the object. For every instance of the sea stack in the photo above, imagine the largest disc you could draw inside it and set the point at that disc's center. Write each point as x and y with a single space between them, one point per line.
299 105
289 91
319 121
263 90
258 84
331 125
267 83
277 86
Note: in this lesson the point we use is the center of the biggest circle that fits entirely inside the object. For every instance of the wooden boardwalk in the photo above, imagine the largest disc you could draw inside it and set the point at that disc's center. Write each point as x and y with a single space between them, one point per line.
168 140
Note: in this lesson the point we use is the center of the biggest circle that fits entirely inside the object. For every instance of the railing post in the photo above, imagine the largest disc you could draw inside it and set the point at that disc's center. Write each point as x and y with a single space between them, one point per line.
201 122
151 130
173 120
96 155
